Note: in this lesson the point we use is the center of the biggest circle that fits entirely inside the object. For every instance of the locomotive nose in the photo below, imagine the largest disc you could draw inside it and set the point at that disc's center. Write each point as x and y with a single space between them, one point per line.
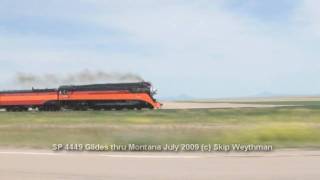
158 105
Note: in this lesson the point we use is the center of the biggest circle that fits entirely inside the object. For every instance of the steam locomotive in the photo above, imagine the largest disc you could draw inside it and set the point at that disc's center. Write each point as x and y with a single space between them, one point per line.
82 97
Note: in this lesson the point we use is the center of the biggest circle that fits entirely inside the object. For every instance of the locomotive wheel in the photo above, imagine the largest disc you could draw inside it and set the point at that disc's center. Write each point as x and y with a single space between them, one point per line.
8 109
49 108
56 108
16 109
97 108
42 109
24 109
80 108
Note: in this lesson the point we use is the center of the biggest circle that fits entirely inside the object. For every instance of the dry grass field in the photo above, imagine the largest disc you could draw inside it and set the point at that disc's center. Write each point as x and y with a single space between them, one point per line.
283 127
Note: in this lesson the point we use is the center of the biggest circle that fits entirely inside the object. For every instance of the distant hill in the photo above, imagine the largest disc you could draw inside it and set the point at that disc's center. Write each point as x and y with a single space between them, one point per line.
268 94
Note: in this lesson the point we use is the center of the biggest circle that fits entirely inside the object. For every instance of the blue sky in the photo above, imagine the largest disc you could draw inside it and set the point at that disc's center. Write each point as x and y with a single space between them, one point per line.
204 49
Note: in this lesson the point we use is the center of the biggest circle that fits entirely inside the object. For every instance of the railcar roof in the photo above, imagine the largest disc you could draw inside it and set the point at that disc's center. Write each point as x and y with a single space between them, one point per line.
107 86
27 91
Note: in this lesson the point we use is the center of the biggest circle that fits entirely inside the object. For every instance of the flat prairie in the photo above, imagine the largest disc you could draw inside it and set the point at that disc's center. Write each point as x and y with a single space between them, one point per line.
288 124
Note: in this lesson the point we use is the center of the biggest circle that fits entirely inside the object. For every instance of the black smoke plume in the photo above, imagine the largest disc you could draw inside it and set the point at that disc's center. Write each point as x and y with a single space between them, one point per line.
27 80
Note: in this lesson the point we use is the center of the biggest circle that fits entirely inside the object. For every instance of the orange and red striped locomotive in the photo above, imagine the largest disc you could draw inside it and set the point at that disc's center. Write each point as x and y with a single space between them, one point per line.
82 97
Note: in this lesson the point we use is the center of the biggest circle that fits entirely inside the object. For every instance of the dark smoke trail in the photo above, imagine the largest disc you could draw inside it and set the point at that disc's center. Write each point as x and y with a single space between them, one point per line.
27 80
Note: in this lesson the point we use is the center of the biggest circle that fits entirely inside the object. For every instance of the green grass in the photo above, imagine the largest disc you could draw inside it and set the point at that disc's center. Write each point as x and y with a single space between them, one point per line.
286 127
